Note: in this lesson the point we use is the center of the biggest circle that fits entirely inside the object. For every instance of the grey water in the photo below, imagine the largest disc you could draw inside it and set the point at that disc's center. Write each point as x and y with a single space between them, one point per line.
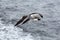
47 28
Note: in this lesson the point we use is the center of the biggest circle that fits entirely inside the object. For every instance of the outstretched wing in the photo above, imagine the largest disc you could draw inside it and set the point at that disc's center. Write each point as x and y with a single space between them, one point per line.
26 21
21 20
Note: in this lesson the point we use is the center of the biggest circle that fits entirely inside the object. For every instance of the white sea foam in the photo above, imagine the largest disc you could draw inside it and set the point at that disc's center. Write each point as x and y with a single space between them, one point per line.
9 32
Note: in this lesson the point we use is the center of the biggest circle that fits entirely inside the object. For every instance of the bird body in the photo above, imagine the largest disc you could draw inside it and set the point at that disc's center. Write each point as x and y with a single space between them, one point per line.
26 18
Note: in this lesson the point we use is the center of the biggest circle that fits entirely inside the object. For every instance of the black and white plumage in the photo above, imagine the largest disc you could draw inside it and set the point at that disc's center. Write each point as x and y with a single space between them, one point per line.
26 18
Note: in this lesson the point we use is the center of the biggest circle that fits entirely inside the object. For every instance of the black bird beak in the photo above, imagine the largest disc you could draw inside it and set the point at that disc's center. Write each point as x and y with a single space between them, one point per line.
41 16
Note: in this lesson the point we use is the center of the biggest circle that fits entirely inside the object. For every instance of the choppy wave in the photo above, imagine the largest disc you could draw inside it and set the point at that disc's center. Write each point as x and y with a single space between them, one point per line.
9 32
46 29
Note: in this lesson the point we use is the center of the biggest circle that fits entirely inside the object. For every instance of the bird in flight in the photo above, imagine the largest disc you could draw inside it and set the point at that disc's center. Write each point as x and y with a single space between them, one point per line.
26 18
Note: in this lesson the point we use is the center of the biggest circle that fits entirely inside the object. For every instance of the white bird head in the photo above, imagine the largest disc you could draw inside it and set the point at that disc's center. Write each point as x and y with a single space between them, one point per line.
36 16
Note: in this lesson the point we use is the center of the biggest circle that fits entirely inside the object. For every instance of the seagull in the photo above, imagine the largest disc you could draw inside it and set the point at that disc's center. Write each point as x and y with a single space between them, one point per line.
26 18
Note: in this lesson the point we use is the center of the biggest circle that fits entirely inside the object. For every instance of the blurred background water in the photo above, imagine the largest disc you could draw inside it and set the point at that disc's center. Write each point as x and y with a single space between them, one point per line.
46 29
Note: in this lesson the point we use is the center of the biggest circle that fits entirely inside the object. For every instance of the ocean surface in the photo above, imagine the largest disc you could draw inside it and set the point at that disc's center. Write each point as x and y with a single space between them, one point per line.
48 28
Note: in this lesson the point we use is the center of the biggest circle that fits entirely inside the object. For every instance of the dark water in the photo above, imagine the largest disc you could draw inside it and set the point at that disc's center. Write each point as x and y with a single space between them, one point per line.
46 29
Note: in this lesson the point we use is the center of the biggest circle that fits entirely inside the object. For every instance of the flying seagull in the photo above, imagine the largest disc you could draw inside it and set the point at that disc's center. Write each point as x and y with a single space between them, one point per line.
26 18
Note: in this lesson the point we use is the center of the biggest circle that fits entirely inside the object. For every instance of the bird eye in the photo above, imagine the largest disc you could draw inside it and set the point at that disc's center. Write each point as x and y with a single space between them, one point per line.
38 19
